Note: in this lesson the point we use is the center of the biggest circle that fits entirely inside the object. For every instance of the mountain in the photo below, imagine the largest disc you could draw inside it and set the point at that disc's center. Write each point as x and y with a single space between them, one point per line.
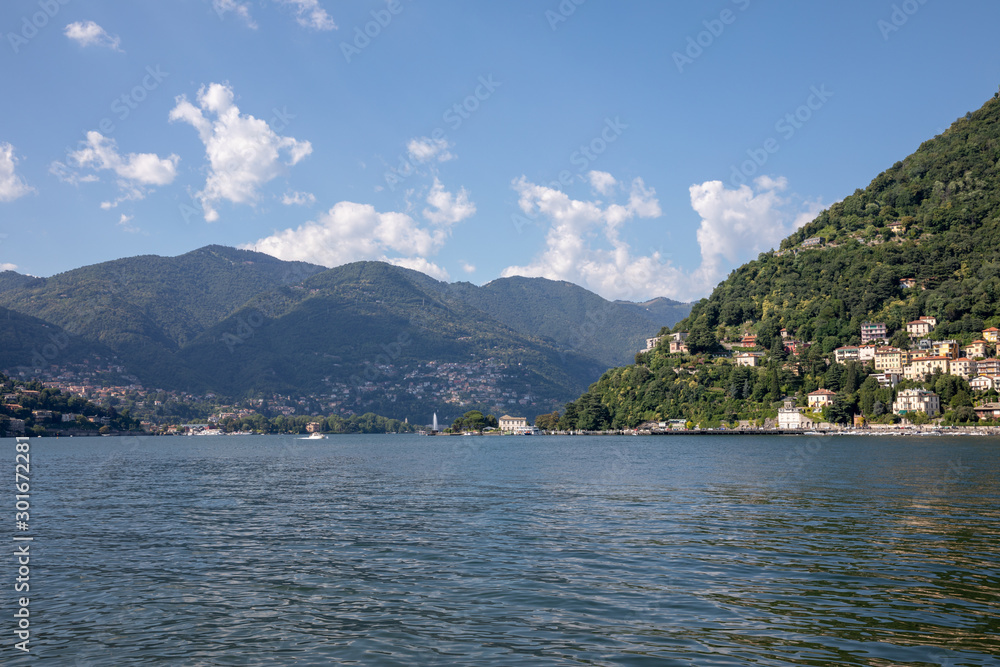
931 218
27 341
659 309
367 336
923 239
570 317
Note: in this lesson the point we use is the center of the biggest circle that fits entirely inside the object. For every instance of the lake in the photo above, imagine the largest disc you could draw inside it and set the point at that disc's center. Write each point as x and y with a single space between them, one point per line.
543 550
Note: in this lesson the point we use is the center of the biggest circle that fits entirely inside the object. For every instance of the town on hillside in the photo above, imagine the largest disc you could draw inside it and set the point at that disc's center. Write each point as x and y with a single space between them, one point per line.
908 373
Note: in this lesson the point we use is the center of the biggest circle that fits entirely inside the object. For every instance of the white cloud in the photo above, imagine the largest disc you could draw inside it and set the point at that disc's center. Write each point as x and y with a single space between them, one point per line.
449 208
422 265
350 232
425 149
12 186
126 223
612 270
602 182
241 9
135 171
88 33
310 14
467 267
7 266
244 152
584 246
298 198
736 225
101 152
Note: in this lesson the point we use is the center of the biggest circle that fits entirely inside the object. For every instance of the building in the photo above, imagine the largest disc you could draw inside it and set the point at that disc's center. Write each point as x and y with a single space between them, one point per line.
873 331
888 357
678 347
907 282
922 366
510 424
919 328
845 354
791 417
981 383
916 400
945 348
314 427
652 343
820 398
991 335
748 340
988 367
962 367
888 378
784 333
749 358
977 349
867 353
988 411
898 227
812 241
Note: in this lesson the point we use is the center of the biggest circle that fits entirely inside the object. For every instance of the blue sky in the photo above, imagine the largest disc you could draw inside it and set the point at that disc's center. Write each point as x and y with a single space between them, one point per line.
638 149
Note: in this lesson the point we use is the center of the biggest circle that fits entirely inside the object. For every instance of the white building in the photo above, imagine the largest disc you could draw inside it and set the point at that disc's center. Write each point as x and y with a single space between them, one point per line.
916 400
791 417
510 424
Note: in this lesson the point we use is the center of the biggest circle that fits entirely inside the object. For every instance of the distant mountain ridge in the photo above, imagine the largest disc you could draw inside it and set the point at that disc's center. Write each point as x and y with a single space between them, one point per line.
237 322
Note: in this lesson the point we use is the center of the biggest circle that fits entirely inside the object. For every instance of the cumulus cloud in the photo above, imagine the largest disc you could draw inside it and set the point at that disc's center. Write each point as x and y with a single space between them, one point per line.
425 149
736 225
126 223
612 270
12 186
7 266
602 182
420 264
448 209
467 267
310 14
136 172
583 244
241 9
88 33
298 198
100 152
350 232
244 153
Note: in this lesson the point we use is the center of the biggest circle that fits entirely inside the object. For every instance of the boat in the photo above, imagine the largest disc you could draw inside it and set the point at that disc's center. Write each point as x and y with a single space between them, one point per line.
315 435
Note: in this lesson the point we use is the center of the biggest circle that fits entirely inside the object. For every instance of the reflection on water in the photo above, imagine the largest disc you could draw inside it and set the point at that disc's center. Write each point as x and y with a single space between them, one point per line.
403 550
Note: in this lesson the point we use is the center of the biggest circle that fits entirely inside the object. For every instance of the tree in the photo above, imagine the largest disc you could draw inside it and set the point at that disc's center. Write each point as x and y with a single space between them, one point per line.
548 422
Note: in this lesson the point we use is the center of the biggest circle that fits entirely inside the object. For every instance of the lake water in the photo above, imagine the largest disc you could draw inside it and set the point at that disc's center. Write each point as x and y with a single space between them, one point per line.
408 550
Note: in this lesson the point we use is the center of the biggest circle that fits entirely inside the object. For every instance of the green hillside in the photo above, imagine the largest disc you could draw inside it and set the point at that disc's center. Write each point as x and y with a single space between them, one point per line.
242 324
946 195
923 239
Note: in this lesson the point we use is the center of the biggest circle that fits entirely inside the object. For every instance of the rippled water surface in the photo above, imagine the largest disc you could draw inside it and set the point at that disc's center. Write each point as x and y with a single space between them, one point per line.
408 550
